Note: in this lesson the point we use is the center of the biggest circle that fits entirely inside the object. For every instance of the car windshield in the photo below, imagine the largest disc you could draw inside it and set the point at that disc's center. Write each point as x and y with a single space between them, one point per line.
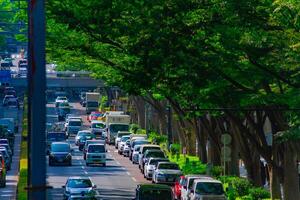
98 125
137 148
96 115
75 123
12 103
92 104
154 194
155 154
119 127
60 148
79 183
3 141
96 149
168 166
124 138
56 136
140 142
83 133
209 188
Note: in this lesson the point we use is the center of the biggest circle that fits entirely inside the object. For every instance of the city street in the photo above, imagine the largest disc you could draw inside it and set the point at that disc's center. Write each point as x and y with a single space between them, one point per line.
117 180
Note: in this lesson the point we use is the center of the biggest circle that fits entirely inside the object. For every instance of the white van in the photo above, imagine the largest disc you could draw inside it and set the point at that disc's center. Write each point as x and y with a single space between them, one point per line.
96 154
207 189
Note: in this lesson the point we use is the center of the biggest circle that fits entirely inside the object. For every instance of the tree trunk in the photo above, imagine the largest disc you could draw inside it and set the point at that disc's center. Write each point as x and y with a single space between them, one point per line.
274 182
140 109
291 177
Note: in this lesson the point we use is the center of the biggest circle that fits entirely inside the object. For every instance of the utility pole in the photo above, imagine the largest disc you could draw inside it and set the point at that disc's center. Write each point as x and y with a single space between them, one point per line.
36 93
169 117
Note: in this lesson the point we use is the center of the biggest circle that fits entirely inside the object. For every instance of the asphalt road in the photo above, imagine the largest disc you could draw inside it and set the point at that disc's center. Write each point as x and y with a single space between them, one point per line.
9 192
116 181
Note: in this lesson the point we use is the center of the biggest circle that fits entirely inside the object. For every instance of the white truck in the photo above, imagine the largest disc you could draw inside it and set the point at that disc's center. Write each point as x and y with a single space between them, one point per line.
114 124
92 101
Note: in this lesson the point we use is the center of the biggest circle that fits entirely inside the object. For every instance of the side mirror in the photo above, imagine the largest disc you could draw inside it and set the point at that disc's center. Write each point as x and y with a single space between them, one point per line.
63 186
94 186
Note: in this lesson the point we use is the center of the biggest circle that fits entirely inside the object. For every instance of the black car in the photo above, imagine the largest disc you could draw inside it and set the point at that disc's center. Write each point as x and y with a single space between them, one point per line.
153 192
60 153
55 137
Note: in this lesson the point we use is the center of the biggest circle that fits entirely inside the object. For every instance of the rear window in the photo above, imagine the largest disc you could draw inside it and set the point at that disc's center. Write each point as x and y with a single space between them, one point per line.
96 149
56 136
155 194
98 125
155 154
209 188
75 123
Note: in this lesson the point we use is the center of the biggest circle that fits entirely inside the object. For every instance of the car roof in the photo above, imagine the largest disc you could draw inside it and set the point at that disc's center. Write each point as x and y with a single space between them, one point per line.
166 159
154 150
96 141
97 144
149 145
75 119
61 97
85 131
56 132
153 186
167 162
202 180
197 176
60 143
97 121
79 177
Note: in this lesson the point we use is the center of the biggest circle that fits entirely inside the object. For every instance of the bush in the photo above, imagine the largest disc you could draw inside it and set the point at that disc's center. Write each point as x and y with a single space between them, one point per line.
157 138
259 193
175 149
216 171
134 128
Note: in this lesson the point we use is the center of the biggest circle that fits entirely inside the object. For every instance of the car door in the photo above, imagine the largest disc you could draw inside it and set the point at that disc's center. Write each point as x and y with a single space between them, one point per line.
184 189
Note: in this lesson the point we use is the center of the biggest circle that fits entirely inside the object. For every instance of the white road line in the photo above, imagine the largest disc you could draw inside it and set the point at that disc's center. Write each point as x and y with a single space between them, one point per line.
85 172
82 167
133 179
128 173
118 163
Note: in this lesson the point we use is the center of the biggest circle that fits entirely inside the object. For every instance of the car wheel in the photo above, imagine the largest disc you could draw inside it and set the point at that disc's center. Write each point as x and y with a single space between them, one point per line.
70 163
104 164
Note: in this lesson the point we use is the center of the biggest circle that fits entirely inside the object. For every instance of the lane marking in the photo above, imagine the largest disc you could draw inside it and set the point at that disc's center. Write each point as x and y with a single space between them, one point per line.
85 172
133 179
128 173
118 163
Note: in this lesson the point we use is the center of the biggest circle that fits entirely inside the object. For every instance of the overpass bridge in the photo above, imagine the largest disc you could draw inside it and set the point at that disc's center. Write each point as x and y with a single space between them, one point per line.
63 80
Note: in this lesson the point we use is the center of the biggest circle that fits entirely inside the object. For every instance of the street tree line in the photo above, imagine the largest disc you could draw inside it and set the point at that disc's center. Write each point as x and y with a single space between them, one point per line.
223 66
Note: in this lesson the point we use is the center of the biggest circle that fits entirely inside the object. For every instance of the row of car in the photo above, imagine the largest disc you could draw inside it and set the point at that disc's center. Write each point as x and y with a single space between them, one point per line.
155 166
8 129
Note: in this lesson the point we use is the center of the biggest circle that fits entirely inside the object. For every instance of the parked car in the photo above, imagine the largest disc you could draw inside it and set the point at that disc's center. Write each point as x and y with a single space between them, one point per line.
207 189
126 148
79 186
88 142
60 99
74 125
96 154
118 137
166 172
178 187
133 143
135 154
153 192
143 149
2 172
150 166
187 184
84 133
151 153
60 153
122 143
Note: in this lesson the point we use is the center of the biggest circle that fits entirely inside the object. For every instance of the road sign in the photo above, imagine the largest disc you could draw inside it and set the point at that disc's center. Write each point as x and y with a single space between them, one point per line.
226 139
226 151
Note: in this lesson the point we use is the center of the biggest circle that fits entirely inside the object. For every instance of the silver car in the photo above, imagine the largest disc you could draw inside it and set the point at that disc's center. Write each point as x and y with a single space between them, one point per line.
166 172
82 186
150 166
